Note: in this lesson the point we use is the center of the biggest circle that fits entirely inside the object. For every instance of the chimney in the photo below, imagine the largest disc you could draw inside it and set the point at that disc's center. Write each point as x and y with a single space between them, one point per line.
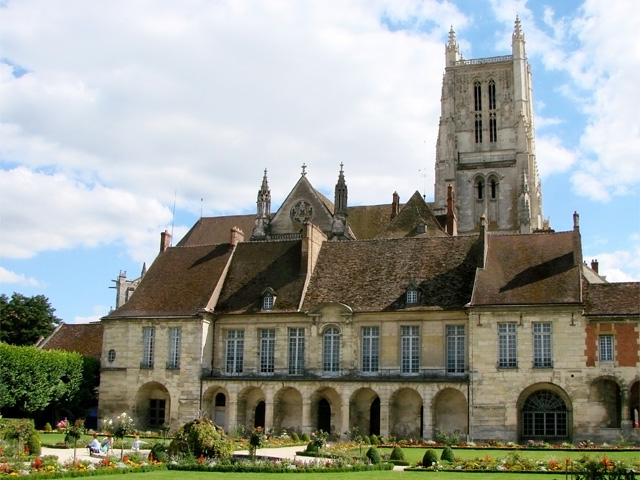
577 241
452 217
594 265
312 238
237 236
165 240
484 238
395 205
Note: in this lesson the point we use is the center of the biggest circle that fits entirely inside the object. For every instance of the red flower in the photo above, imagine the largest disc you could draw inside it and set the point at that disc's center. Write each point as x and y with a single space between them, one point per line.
201 458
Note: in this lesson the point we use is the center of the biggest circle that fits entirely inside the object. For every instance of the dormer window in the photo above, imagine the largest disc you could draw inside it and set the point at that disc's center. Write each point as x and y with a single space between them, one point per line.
412 294
268 299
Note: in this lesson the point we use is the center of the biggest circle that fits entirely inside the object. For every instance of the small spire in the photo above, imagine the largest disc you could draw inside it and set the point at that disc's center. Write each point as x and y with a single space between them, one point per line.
304 169
452 37
517 31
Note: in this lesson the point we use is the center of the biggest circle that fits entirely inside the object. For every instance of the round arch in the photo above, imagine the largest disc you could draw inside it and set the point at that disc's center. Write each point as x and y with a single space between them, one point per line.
545 411
364 411
287 410
450 411
152 405
215 402
251 408
406 414
605 402
326 410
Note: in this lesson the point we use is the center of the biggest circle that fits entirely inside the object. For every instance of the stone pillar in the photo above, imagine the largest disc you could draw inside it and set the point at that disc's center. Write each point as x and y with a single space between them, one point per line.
345 417
268 411
232 415
384 417
306 417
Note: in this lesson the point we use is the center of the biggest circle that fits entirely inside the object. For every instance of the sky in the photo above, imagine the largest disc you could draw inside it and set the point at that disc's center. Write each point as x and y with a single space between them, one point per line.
121 119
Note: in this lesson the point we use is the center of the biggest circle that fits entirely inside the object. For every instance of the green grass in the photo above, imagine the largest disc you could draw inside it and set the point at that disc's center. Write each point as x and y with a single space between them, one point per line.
412 455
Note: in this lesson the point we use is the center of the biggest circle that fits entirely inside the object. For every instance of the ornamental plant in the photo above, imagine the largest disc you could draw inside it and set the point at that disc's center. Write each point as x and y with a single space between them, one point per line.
73 432
256 440
122 426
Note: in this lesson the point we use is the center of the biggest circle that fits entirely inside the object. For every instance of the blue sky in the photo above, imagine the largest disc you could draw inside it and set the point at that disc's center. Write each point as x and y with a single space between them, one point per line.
113 112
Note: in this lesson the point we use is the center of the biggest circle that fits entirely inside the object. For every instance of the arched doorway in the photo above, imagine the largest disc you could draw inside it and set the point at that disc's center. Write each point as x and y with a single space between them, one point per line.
605 403
219 415
153 405
374 417
324 415
406 414
634 404
259 415
450 411
364 412
287 410
544 415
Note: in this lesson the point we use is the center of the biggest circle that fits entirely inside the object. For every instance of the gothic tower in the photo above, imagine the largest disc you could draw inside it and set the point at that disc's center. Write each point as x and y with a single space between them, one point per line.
486 146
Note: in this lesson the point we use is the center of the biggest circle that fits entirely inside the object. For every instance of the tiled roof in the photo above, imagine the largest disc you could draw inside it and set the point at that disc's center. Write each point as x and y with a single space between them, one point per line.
257 266
83 338
612 299
180 282
529 270
405 224
217 230
372 275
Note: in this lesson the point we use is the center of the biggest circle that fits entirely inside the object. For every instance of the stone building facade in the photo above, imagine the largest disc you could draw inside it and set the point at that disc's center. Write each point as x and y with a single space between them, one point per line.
384 319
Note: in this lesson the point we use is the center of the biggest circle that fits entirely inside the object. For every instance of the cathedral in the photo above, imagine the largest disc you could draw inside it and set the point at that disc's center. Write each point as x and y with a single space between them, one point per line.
467 314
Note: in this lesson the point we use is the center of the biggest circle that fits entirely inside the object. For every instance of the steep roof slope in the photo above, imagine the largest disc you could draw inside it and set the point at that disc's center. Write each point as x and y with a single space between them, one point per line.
180 282
529 269
373 275
257 266
217 230
83 338
367 221
609 299
405 224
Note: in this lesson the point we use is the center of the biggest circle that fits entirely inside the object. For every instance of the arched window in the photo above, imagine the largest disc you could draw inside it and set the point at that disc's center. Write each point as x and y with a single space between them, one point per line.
477 96
493 127
493 187
544 415
492 95
221 400
478 128
268 299
480 188
331 350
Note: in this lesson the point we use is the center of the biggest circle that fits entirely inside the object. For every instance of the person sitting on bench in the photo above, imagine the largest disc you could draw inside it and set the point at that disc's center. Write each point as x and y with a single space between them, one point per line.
94 446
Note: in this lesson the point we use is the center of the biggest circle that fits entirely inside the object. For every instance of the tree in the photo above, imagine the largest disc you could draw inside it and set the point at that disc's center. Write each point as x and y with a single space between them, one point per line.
23 320
32 379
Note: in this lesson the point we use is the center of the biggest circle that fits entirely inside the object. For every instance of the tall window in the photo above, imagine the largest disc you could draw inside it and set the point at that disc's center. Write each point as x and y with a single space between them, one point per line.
148 344
370 348
507 345
267 350
410 349
157 409
175 335
455 348
492 95
493 127
478 128
494 189
480 186
235 351
331 350
477 96
296 351
606 348
542 345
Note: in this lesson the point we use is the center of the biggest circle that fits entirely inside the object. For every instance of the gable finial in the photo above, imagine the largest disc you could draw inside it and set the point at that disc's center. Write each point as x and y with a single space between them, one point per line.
304 169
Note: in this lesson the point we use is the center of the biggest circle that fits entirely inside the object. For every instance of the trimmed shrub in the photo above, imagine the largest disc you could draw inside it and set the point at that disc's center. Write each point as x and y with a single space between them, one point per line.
158 452
430 457
305 437
47 427
447 455
396 454
294 437
373 455
201 437
34 444
312 447
366 440
374 440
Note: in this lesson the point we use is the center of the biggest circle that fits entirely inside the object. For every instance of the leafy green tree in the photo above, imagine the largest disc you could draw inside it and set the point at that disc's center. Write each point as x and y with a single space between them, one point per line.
32 379
23 320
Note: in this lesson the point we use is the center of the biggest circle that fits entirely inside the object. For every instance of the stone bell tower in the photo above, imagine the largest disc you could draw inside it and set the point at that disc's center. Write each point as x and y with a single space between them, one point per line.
486 142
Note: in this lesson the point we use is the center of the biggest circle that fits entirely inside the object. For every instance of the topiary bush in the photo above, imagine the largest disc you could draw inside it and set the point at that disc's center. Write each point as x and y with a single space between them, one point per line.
447 455
374 440
34 444
396 454
294 437
305 437
47 427
201 437
373 455
366 440
158 453
430 458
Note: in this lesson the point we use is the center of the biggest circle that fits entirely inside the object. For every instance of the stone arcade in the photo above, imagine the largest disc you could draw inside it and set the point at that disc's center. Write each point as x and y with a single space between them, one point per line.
467 314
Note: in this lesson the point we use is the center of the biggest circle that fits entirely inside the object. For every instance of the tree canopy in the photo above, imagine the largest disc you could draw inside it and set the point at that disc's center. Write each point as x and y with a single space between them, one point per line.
23 320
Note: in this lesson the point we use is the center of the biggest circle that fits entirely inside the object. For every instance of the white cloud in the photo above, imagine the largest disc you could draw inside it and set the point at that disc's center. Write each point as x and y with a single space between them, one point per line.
98 312
7 276
552 156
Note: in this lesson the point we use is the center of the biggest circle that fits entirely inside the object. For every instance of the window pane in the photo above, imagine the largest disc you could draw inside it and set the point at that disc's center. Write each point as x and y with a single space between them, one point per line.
410 349
174 348
331 350
455 349
296 351
267 351
507 345
370 348
235 351
148 343
606 348
542 356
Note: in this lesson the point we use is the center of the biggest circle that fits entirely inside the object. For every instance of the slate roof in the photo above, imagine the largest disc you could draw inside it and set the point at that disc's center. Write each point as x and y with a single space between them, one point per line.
368 221
372 275
257 266
405 224
607 299
530 269
83 338
180 282
217 230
